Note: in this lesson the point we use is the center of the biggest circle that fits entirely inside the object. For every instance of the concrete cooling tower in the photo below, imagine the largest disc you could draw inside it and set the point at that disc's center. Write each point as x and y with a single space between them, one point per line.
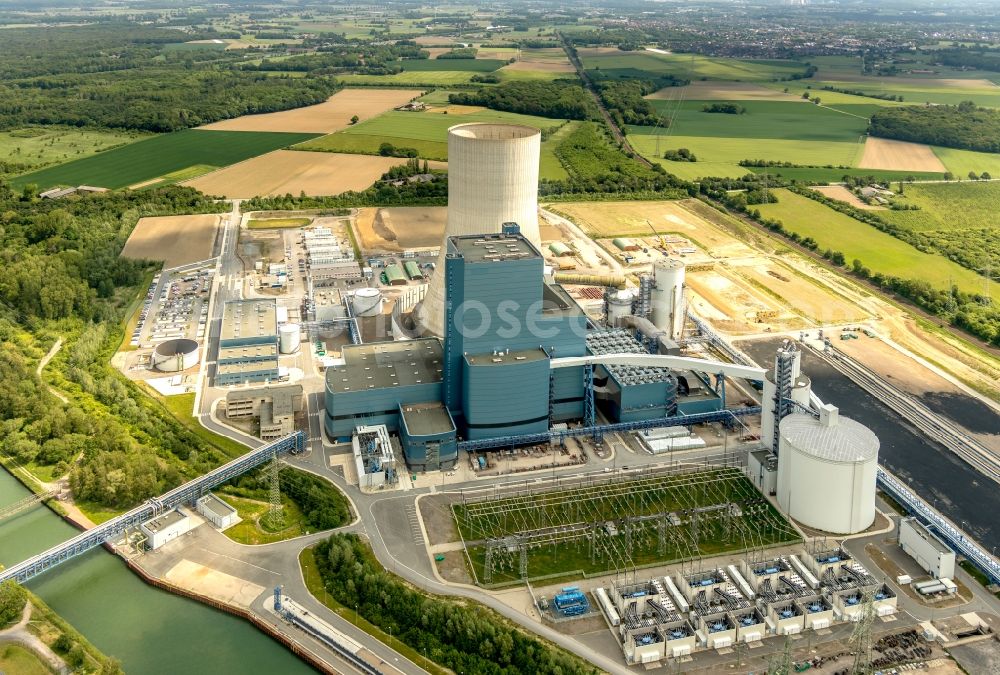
492 179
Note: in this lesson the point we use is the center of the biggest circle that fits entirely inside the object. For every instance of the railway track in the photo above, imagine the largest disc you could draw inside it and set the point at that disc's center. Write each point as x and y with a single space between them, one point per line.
948 434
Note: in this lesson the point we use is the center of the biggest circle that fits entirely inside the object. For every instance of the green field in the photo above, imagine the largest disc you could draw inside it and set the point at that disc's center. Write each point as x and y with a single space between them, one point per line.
427 131
879 251
961 162
786 131
688 66
835 175
161 155
18 660
411 78
949 206
913 90
41 146
467 65
549 166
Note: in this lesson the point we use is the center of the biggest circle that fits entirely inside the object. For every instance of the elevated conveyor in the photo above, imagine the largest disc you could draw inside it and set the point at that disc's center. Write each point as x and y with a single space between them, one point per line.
184 494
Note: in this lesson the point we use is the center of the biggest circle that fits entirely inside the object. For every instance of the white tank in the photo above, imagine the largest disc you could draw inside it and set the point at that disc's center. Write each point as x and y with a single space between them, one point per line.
492 180
174 356
367 302
289 336
826 471
667 312
619 306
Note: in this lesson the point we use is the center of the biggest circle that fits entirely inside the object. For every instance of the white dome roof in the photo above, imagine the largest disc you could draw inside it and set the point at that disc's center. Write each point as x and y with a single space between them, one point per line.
845 441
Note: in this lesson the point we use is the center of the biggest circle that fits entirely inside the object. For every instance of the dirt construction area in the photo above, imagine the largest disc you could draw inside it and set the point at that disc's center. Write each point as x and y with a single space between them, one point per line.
176 240
394 230
290 171
884 153
324 118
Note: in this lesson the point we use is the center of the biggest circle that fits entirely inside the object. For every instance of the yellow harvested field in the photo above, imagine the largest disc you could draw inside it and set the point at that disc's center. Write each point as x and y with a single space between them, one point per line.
176 240
291 171
540 66
806 297
722 91
324 118
840 193
397 229
455 109
885 153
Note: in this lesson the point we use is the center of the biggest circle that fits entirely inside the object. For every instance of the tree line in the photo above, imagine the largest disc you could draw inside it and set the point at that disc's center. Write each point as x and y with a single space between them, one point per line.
461 636
559 99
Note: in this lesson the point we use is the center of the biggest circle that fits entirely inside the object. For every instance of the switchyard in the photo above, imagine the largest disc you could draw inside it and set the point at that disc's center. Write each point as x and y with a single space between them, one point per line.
617 524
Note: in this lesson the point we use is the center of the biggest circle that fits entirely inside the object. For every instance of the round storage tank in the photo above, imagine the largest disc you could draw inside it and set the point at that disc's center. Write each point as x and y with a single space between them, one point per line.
367 302
289 337
619 306
826 471
667 296
173 356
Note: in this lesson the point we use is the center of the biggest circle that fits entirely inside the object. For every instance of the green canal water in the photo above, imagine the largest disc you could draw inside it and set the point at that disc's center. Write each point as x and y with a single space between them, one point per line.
152 632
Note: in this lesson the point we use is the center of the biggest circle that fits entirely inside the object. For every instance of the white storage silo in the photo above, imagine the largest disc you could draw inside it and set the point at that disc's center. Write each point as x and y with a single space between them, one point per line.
174 356
367 302
667 299
619 306
289 336
826 471
492 180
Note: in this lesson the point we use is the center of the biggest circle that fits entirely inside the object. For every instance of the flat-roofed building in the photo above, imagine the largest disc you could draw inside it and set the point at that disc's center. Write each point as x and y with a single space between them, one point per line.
216 511
926 548
275 406
248 344
165 528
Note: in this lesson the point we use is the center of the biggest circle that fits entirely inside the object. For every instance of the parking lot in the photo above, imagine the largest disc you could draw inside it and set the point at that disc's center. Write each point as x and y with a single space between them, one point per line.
176 306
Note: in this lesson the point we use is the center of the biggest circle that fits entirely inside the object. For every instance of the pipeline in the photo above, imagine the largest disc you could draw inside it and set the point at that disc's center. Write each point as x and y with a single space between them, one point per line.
613 281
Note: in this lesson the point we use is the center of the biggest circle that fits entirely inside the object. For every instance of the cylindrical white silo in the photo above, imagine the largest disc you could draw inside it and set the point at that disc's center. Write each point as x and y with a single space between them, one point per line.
826 471
619 306
667 312
289 336
174 356
367 302
492 180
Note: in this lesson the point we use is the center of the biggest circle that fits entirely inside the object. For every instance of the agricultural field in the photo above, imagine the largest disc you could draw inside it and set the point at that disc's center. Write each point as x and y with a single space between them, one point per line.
35 147
613 63
582 527
549 166
950 91
949 206
425 131
175 240
888 154
159 156
836 174
332 115
786 131
476 65
877 250
396 229
841 193
961 162
293 172
713 90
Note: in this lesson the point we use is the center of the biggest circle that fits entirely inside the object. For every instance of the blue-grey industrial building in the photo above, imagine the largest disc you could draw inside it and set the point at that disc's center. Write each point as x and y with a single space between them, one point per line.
490 375
248 344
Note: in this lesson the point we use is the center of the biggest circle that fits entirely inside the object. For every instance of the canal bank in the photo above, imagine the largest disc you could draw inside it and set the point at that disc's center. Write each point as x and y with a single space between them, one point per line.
934 472
150 631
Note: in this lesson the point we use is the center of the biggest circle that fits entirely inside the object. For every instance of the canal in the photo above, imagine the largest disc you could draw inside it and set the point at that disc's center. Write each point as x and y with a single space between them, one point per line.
150 631
934 472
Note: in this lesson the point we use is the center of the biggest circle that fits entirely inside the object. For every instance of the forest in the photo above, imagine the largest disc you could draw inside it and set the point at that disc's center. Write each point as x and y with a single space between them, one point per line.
464 637
61 277
964 126
559 99
322 503
121 76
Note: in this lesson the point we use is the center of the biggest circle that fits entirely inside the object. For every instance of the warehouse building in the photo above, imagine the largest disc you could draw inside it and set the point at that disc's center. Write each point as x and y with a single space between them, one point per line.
165 528
932 554
248 346
216 511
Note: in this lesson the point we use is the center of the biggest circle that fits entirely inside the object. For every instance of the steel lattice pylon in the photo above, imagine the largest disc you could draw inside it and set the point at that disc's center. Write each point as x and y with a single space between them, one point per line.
275 514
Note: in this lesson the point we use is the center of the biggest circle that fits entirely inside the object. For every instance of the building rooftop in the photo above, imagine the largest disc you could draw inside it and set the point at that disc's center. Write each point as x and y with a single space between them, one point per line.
270 365
507 357
246 352
426 419
480 248
387 364
621 341
930 537
843 440
220 508
166 520
248 319
557 301
282 396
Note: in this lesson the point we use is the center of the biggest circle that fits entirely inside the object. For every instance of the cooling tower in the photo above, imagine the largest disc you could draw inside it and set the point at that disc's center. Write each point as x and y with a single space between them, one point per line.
492 179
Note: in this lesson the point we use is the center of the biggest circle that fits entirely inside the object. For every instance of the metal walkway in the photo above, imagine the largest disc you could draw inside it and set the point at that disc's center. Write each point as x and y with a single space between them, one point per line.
186 493
947 530
26 503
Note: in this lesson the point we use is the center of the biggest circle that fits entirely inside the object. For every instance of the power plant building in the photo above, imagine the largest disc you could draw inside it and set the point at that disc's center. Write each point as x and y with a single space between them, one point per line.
248 346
